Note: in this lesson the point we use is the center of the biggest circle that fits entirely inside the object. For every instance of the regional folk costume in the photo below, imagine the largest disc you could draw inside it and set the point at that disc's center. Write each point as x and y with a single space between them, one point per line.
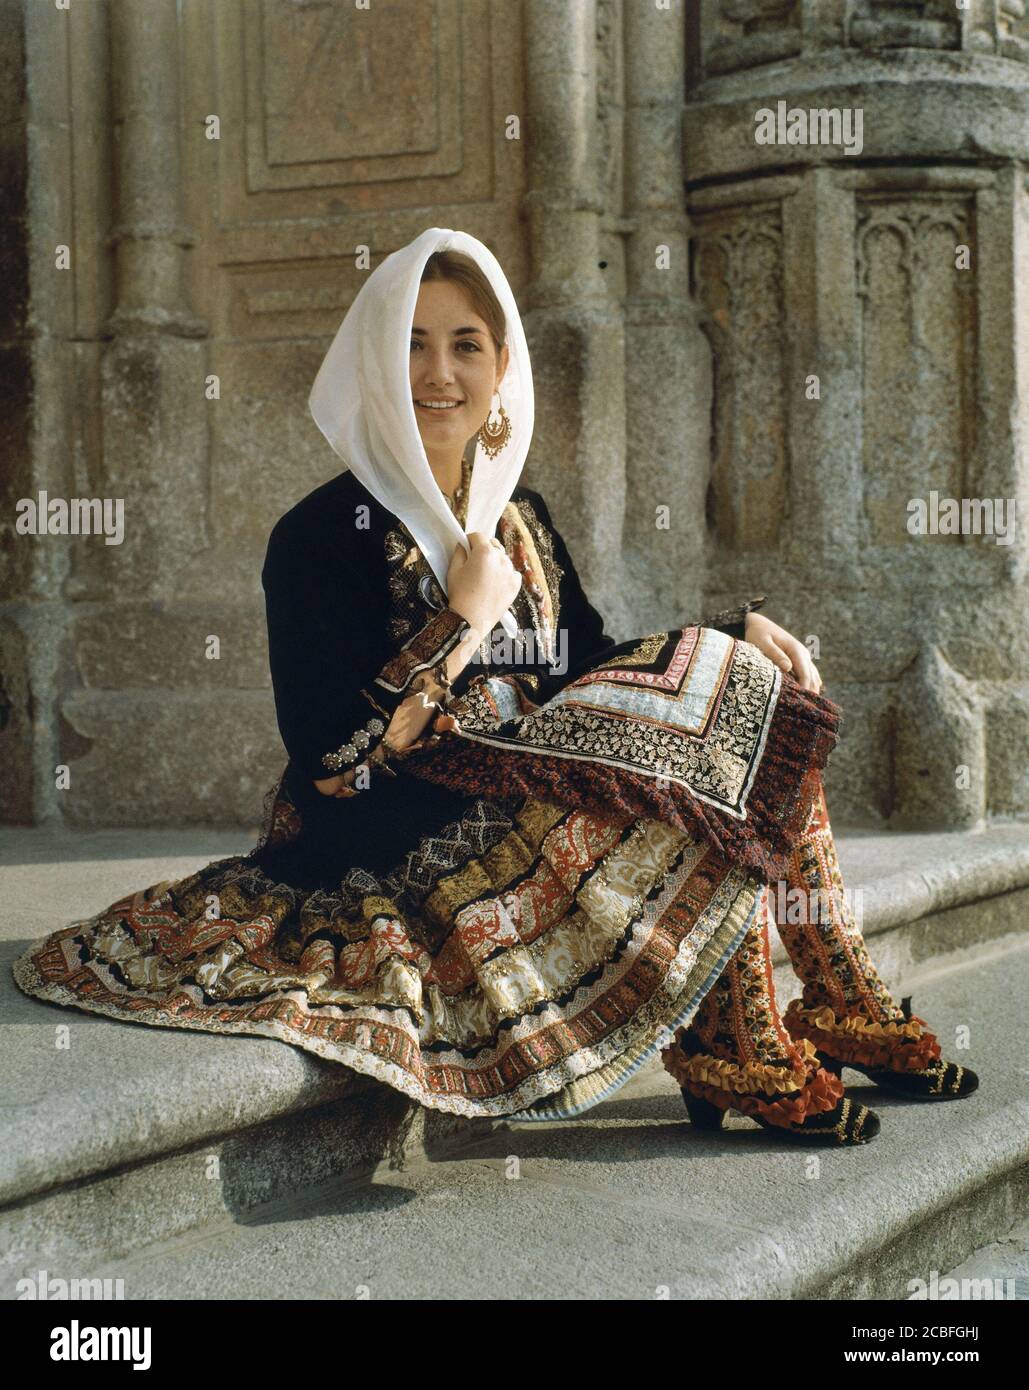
567 874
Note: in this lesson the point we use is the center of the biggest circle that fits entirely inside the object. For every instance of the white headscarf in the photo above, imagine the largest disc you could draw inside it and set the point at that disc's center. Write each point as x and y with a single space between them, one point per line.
361 401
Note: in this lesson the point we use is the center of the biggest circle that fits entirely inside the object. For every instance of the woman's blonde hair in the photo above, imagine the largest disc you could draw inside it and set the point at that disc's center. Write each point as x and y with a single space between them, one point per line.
463 271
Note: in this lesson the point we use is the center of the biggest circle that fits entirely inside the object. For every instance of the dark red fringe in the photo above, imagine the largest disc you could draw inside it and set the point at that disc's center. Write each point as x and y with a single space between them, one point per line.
804 730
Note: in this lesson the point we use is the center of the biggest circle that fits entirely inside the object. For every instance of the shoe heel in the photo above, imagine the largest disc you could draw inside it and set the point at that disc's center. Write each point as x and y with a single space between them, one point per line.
703 1115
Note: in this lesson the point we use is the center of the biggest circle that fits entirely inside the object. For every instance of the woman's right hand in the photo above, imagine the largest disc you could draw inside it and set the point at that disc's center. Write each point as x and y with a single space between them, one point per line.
483 583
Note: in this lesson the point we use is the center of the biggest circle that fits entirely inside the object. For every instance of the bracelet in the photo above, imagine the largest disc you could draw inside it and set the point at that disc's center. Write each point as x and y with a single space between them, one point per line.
347 753
385 750
442 679
380 759
732 616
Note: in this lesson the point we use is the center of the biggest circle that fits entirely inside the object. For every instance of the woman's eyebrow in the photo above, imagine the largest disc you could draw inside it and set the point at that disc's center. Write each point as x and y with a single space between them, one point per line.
456 331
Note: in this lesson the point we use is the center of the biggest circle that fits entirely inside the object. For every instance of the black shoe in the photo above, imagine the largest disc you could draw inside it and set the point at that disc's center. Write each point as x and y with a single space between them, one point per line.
849 1123
939 1080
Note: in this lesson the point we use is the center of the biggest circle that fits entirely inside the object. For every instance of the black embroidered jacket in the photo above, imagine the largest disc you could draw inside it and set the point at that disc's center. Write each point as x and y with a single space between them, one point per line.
354 614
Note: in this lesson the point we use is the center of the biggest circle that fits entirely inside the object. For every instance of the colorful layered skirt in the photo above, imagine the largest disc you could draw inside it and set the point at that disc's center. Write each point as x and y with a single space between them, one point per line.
528 956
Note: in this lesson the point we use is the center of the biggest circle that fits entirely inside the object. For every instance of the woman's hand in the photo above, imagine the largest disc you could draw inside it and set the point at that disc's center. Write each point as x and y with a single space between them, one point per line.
342 785
337 786
786 651
482 585
406 726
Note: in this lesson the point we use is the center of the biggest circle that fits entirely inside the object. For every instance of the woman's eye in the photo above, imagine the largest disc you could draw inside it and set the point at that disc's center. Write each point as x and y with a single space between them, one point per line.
466 342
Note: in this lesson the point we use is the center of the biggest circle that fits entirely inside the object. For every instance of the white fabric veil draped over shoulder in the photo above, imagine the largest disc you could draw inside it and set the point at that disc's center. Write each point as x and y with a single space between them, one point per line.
361 401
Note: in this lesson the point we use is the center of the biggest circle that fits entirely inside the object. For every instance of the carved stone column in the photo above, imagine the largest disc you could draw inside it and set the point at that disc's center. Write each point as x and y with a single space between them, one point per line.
667 360
572 323
149 427
865 299
55 295
154 404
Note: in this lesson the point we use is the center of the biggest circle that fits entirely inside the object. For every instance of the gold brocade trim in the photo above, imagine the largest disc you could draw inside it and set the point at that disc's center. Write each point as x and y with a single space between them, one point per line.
647 651
372 1044
543 601
552 573
382 1006
478 709
730 1076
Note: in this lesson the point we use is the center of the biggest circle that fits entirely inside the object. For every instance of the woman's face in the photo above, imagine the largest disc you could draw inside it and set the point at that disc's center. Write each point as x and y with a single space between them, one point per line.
452 360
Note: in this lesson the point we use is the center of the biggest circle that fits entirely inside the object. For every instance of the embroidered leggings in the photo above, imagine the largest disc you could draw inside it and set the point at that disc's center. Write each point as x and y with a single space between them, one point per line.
739 1050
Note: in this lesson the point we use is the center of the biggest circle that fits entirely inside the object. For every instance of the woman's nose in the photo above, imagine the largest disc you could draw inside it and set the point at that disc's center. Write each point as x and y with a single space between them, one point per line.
437 368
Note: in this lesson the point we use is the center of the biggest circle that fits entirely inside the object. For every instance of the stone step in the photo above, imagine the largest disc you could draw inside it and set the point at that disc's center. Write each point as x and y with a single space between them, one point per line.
1005 1259
133 1131
137 1133
629 1202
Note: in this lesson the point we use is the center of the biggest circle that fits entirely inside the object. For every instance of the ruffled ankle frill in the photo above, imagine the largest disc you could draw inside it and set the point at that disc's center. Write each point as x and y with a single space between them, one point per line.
804 1090
906 1046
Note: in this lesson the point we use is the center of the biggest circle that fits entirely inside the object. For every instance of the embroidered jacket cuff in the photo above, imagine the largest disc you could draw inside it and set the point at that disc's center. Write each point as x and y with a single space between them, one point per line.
429 646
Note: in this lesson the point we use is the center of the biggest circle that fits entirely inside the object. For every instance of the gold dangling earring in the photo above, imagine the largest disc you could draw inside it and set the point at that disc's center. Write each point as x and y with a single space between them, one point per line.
493 438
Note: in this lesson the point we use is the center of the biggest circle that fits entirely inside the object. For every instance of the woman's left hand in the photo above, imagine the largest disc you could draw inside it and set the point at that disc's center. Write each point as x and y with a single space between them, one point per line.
785 650
408 721
338 786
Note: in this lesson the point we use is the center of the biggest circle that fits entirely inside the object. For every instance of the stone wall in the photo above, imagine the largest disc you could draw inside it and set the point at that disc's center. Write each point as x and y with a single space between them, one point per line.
680 285
869 319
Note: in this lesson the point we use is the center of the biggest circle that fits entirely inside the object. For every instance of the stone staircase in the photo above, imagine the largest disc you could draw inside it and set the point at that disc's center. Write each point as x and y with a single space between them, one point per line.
193 1165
